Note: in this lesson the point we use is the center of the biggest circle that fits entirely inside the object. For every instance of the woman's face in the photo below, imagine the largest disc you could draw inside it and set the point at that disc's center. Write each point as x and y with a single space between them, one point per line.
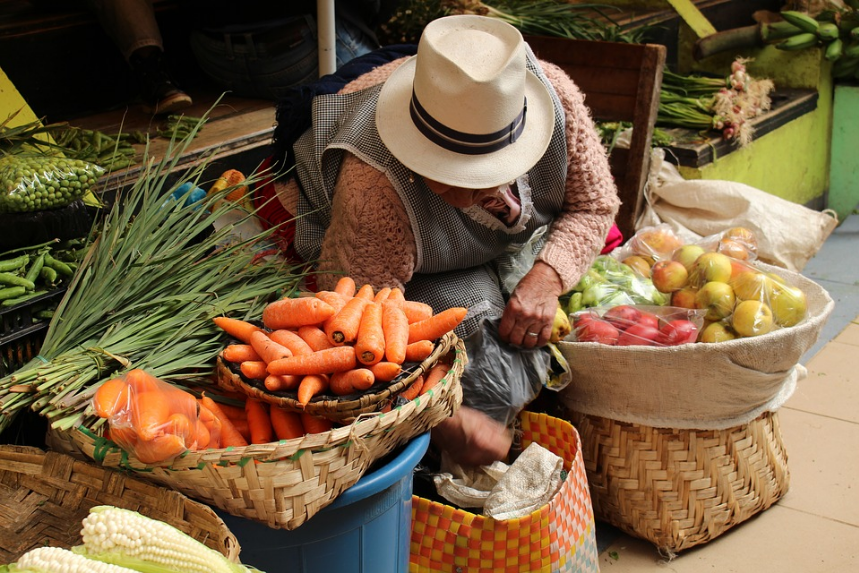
459 197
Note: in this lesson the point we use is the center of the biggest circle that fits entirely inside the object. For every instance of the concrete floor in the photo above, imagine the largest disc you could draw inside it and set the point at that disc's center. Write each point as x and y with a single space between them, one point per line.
814 528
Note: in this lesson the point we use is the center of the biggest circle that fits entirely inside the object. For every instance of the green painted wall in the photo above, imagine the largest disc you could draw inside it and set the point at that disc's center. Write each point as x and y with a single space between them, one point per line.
844 168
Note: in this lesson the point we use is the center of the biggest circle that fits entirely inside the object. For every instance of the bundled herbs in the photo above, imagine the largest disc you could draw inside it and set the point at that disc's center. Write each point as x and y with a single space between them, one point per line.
145 296
584 21
704 103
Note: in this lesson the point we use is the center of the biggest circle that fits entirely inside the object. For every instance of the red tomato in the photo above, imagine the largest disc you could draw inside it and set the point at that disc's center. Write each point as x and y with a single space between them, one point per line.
678 332
638 334
622 316
597 330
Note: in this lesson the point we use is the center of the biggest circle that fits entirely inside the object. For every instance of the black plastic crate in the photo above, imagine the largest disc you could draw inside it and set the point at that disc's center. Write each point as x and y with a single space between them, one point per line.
22 333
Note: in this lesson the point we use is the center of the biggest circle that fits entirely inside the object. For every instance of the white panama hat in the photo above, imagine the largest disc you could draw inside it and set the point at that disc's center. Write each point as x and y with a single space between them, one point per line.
465 111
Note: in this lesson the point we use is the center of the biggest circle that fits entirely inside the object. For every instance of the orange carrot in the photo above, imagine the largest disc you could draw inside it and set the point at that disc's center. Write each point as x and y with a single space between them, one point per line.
315 337
274 383
343 328
259 421
396 295
366 292
111 397
287 424
413 389
212 424
180 425
295 312
290 340
233 412
382 295
239 353
385 371
268 349
351 381
201 435
159 449
315 424
370 343
395 325
310 386
346 287
415 311
142 381
437 325
243 428
149 414
238 329
230 436
254 369
435 375
335 359
336 300
419 351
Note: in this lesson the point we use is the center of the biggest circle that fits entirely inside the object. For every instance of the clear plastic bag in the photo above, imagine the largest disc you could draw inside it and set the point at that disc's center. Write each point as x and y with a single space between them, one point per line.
611 283
501 379
638 325
33 182
149 417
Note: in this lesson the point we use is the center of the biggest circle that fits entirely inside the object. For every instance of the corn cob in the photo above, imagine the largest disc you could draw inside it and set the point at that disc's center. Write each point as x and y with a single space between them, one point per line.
59 560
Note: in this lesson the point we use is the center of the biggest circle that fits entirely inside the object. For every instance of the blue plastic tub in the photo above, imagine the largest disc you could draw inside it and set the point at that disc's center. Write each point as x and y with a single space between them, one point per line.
365 530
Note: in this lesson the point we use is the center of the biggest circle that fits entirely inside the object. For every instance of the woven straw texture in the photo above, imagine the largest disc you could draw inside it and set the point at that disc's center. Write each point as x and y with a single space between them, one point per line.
681 488
559 537
696 386
283 484
342 408
44 496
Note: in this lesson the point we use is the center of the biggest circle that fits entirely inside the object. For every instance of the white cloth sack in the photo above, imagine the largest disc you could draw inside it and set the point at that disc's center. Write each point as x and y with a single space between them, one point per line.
705 386
788 234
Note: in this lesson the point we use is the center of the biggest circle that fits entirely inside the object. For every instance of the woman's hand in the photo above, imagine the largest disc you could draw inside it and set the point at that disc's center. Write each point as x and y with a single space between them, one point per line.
529 315
471 438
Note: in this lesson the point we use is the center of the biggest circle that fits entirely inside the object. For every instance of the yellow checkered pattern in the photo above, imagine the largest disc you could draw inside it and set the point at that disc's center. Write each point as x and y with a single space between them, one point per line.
559 537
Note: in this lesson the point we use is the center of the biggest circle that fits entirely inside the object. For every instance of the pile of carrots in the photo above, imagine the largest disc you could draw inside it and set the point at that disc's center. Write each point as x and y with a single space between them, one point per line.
157 421
339 342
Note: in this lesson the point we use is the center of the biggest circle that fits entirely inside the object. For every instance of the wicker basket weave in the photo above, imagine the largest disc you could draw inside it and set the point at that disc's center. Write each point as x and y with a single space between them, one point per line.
681 488
44 496
283 484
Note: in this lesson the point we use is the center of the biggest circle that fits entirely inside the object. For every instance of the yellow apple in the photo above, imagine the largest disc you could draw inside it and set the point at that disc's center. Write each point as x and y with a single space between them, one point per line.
789 305
752 318
716 332
717 298
684 298
638 264
687 255
752 285
713 267
733 249
668 276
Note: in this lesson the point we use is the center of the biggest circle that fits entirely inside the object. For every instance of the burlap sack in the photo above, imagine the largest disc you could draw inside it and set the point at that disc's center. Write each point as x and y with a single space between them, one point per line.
696 386
788 234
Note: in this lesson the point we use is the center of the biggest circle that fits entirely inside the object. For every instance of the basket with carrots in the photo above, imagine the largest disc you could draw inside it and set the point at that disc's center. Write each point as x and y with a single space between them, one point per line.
337 354
269 455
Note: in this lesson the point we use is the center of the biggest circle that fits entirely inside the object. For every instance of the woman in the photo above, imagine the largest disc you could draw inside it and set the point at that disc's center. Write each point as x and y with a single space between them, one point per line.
426 173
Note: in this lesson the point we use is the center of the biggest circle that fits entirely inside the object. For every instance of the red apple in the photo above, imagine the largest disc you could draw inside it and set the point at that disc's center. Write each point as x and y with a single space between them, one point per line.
638 334
678 331
649 319
622 316
668 276
597 330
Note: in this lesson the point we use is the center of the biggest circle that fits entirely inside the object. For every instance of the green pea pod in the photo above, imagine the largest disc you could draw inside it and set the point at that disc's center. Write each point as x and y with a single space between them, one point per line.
12 292
49 275
46 314
35 268
59 266
14 280
14 264
13 301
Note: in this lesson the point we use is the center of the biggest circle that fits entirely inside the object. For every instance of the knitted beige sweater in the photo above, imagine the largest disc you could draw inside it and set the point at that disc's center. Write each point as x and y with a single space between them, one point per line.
370 237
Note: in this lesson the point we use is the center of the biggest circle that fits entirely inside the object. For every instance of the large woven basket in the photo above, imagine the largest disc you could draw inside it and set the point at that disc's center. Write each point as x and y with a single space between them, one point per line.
44 496
283 484
681 488
338 408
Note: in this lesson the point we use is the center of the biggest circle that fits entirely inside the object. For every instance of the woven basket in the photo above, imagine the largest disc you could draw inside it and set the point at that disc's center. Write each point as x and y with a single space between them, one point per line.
558 537
681 488
338 408
44 496
283 484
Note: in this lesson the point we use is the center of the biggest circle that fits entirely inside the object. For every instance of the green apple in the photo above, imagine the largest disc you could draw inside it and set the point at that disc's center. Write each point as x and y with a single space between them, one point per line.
752 318
687 255
717 298
713 267
789 305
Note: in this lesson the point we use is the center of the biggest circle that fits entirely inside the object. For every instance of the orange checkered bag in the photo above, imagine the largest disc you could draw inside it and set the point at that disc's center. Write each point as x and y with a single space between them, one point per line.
558 537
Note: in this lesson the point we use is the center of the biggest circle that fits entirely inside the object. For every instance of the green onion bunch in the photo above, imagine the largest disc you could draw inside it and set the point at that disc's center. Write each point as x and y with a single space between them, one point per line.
145 295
